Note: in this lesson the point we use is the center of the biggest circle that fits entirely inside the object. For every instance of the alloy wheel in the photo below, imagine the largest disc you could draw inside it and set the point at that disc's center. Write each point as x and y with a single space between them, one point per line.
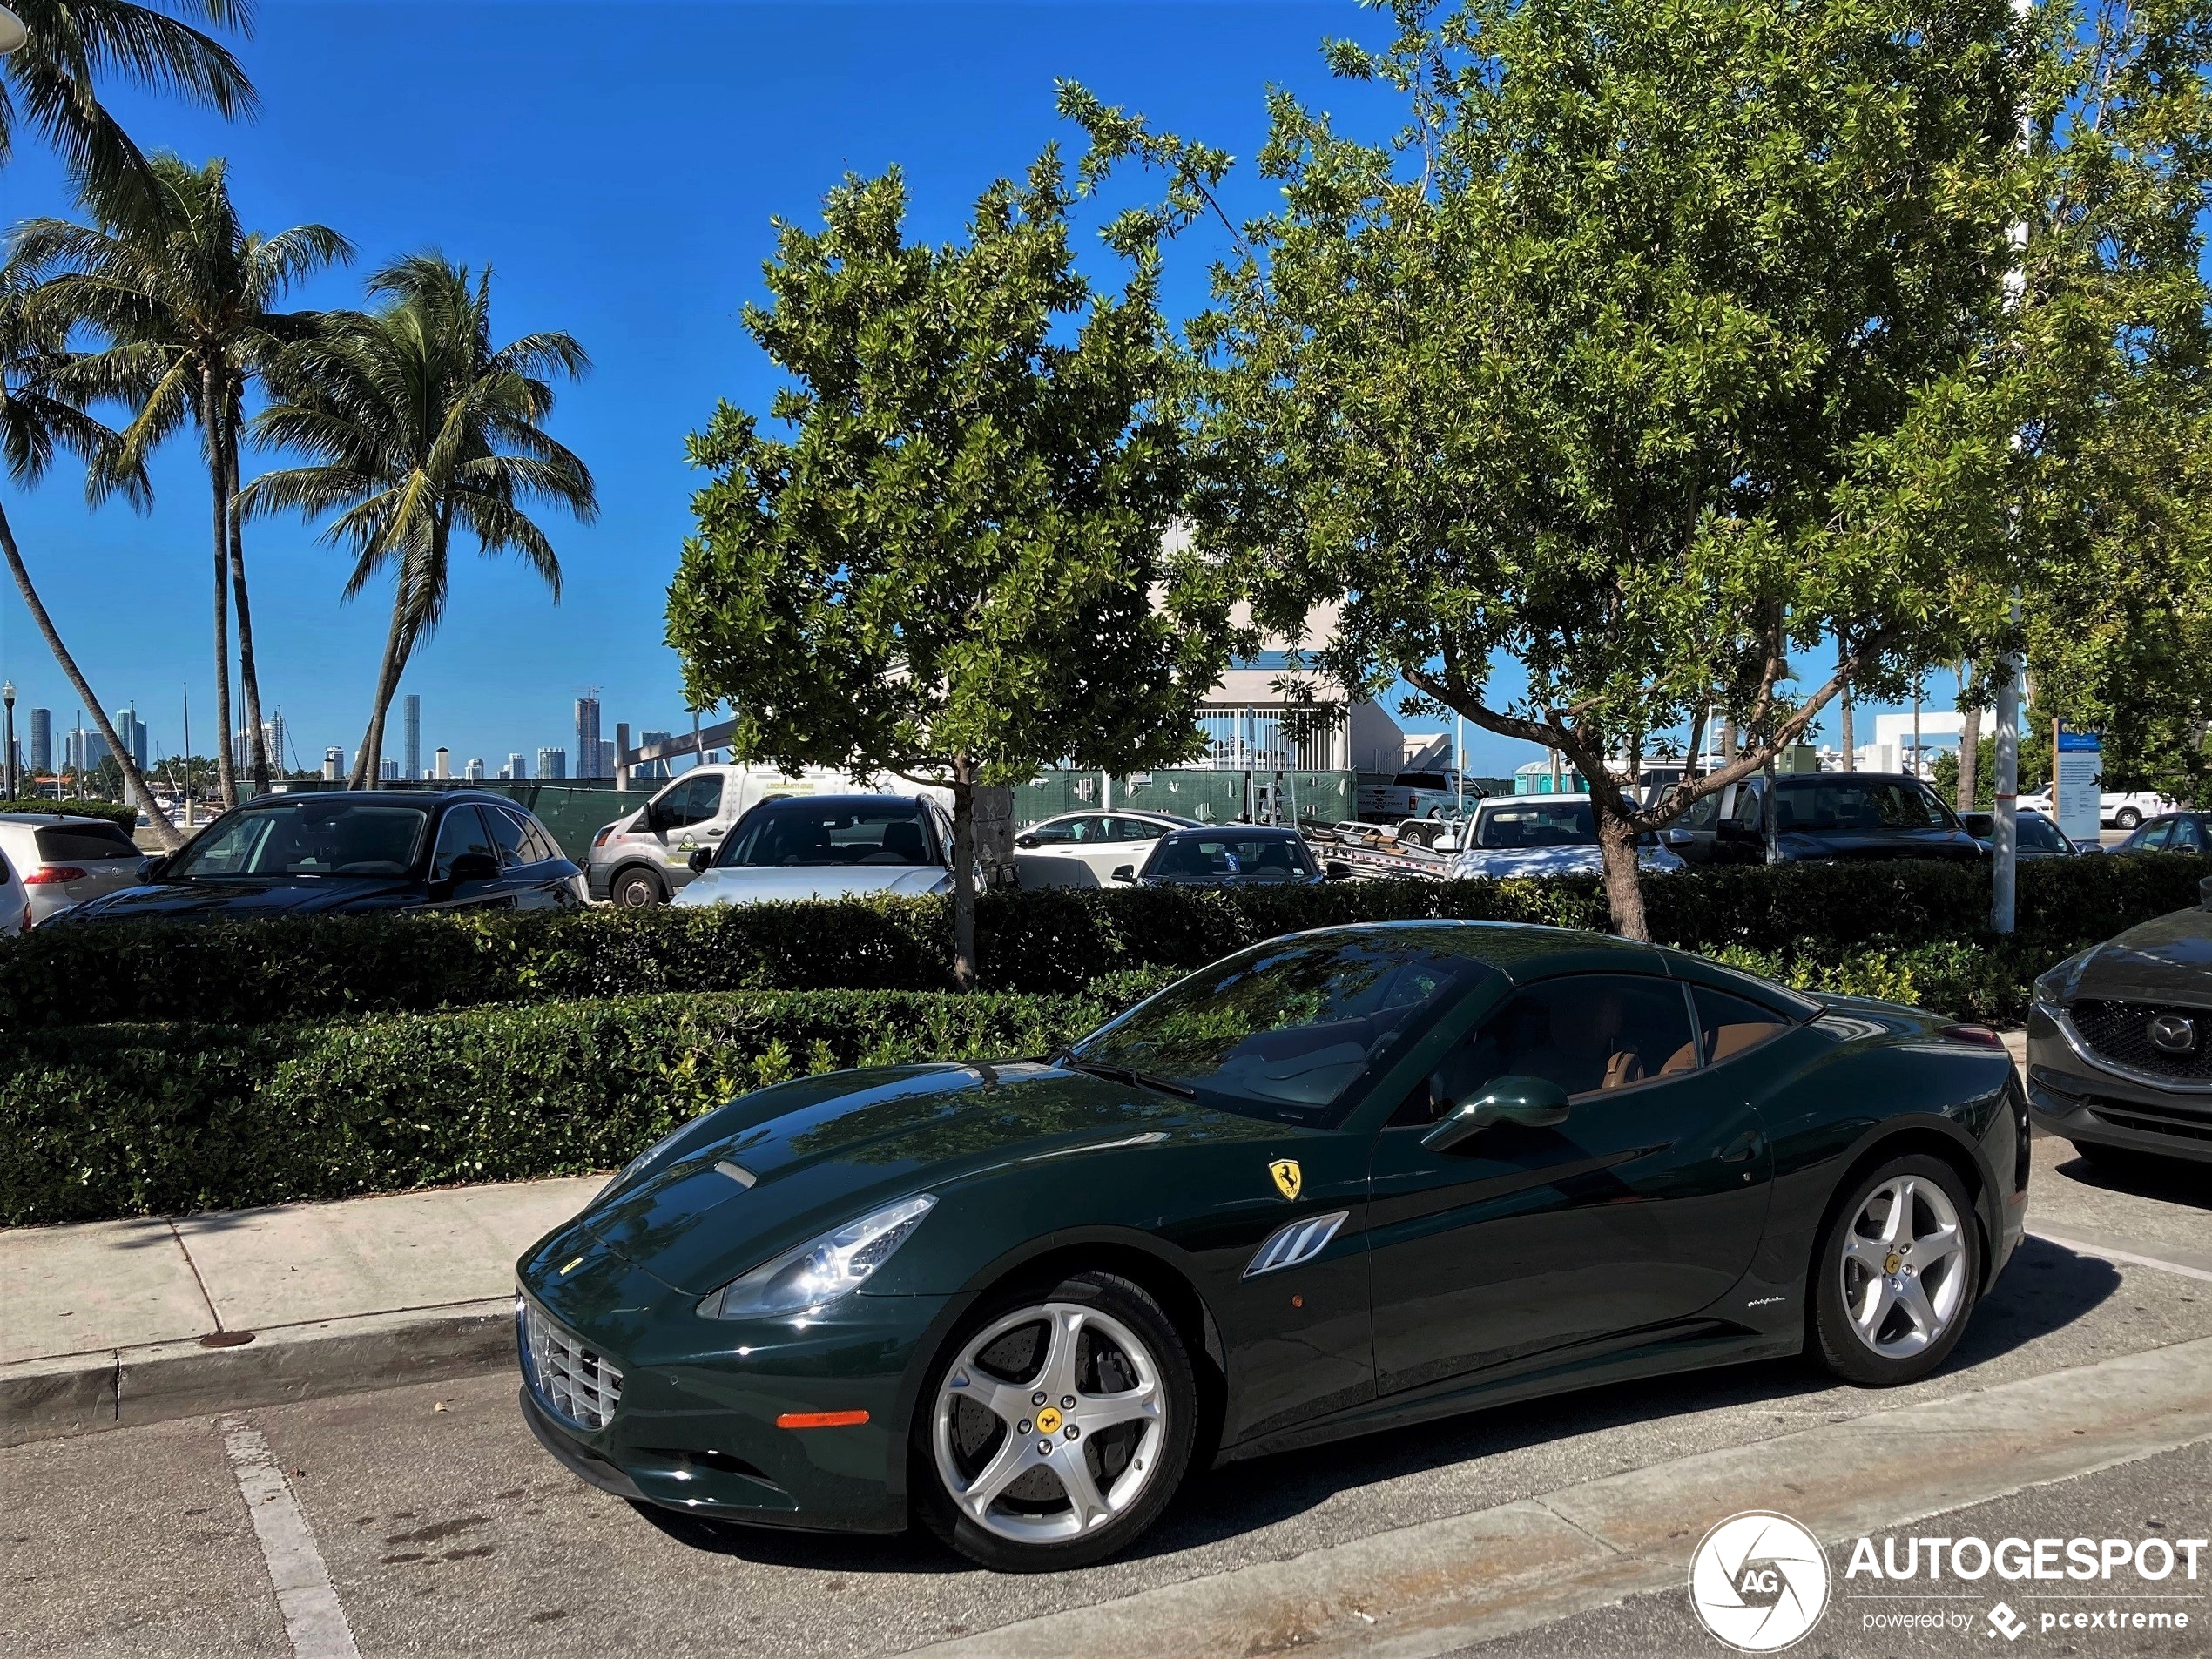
1051 1424
1904 1267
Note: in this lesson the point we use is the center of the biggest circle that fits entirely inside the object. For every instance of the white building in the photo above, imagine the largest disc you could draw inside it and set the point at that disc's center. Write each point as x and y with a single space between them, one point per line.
473 772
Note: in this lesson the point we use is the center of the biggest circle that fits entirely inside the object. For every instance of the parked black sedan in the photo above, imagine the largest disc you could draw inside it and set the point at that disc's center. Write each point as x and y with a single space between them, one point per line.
1230 855
1824 816
351 852
2119 1043
2038 836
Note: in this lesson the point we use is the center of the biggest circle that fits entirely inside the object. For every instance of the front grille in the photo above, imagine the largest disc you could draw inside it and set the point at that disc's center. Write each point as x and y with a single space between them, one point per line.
570 1380
2120 1032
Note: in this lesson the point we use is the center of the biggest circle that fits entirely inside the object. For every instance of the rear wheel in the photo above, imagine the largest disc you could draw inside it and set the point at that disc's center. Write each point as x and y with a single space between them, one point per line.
1897 1273
1059 1423
636 889
2127 818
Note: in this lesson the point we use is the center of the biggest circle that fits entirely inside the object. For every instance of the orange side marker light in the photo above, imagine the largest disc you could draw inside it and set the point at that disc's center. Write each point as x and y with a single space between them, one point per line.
821 1419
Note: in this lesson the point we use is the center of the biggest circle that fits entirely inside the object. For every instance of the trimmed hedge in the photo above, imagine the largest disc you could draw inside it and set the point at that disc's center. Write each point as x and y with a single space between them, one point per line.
124 817
1056 941
162 1119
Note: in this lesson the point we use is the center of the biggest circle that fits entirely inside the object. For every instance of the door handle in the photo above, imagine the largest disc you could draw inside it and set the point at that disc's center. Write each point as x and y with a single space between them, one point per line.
712 835
1742 1149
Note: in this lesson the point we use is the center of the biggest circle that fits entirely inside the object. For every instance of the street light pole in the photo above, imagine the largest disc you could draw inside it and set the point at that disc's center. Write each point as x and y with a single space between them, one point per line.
2005 832
8 694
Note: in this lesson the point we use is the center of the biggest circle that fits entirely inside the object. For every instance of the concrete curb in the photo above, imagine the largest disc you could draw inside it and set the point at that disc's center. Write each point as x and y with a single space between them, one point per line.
42 1399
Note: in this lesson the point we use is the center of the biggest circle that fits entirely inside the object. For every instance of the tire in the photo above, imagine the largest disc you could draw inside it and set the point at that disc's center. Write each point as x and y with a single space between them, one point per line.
636 889
979 1419
2127 818
1879 1337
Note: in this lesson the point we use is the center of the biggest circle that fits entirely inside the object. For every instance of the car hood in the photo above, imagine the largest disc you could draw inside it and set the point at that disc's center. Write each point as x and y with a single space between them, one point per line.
736 886
825 1150
2167 958
1876 844
1551 861
1231 881
247 901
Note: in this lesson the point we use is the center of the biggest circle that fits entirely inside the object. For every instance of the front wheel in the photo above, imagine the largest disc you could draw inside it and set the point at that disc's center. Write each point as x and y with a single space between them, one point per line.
2127 818
1896 1274
1059 1423
636 890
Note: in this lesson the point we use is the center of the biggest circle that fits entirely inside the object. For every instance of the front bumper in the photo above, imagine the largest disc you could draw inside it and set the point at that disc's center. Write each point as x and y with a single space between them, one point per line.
2073 1097
696 1430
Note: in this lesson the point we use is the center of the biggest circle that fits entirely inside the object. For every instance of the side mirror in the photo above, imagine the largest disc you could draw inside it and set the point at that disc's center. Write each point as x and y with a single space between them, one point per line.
701 857
1534 1102
150 870
473 867
1336 870
1125 872
1026 841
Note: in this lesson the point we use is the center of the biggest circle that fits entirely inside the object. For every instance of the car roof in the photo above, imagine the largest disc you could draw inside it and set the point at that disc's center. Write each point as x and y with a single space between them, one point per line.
843 803
50 821
1152 813
1234 829
387 797
1532 798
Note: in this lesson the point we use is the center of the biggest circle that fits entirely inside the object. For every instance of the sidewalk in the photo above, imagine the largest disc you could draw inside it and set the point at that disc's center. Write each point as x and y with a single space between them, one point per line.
119 1322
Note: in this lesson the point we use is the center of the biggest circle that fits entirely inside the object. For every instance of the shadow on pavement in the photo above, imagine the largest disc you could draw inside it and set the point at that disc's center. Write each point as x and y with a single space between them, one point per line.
2172 1182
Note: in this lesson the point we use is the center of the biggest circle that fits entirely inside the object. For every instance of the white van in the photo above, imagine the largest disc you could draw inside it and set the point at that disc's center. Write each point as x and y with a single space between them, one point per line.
642 859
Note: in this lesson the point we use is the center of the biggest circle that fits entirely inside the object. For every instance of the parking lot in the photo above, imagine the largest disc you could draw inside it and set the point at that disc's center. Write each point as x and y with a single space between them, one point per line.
442 1528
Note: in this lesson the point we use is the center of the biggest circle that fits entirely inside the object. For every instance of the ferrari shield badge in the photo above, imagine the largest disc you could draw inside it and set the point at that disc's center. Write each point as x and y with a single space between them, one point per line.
1288 1178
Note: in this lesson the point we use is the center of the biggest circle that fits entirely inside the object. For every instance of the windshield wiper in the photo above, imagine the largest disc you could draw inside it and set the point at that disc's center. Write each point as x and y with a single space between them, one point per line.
1128 1074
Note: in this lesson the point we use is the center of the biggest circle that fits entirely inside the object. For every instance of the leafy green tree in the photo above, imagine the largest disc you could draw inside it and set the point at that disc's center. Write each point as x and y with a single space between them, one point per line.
1662 345
36 418
52 82
182 297
954 567
421 428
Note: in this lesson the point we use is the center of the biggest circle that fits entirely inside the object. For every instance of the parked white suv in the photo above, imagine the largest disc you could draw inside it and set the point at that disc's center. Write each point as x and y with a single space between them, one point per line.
645 859
64 859
2117 809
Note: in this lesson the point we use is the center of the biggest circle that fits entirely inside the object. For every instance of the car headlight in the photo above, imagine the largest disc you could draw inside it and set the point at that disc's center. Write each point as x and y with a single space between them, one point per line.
822 1270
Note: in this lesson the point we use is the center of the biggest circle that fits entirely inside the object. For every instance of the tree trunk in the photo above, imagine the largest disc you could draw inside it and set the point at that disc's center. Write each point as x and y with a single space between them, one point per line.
134 781
1616 842
963 872
249 680
226 775
1969 744
368 770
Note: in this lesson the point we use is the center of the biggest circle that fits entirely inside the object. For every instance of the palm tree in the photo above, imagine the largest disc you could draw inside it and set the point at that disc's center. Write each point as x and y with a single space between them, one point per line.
421 427
35 421
182 296
48 81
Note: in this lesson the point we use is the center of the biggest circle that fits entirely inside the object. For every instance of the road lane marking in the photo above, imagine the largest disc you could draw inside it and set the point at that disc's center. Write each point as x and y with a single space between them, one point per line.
313 1621
2105 1252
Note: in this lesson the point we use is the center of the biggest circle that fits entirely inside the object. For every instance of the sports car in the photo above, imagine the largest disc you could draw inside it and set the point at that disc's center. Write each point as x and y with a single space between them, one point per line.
1345 1180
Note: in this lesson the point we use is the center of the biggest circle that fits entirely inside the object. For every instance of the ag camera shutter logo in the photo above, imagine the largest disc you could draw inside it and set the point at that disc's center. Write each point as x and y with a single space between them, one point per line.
1758 1581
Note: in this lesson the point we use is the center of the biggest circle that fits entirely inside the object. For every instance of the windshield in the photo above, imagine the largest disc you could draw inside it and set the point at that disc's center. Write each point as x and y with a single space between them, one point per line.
1559 823
1832 803
306 838
1230 857
778 834
2042 834
1286 1030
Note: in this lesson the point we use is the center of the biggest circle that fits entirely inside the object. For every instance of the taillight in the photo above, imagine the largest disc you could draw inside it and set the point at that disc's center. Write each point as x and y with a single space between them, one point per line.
48 875
1977 1034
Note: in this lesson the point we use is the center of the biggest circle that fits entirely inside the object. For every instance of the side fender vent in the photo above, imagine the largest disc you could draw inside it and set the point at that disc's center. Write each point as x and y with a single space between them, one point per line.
1298 1244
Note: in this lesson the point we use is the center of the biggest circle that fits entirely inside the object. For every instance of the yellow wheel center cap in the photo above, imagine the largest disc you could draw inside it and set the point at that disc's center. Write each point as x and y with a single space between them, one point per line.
1895 1262
1048 1420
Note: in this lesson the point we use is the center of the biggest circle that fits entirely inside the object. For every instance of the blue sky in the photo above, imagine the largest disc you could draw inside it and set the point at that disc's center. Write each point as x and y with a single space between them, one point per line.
618 164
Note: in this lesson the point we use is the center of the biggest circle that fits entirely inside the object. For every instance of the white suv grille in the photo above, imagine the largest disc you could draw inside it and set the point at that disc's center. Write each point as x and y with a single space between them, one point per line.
570 1380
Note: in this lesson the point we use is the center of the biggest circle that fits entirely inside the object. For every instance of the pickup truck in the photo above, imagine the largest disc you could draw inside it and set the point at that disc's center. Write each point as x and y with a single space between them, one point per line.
1414 794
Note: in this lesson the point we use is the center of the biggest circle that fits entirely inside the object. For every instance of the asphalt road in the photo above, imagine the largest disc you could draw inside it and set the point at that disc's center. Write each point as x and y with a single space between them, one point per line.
445 1530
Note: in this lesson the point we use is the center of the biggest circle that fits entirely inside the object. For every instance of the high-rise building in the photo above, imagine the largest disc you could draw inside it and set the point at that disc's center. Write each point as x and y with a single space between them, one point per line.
273 738
650 768
516 768
552 762
333 764
411 709
388 770
587 737
442 763
42 739
86 749
473 772
606 760
131 732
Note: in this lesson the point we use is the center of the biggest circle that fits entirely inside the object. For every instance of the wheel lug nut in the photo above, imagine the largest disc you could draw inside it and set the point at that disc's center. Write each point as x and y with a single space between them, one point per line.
1067 1402
1037 1398
1044 1448
1070 1431
1024 1429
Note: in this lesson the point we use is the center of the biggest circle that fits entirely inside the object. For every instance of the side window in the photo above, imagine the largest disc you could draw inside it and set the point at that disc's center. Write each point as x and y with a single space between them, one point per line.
2152 837
1728 1025
2187 837
541 846
462 831
1135 829
706 801
511 835
1588 1034
1060 834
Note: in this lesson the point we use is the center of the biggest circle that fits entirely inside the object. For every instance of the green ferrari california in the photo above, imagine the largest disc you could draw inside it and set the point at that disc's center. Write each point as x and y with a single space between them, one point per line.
1341 1180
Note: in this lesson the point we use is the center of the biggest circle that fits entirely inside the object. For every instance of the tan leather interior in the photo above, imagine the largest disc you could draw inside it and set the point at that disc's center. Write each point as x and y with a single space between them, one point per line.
1623 1069
1682 1059
1734 1039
